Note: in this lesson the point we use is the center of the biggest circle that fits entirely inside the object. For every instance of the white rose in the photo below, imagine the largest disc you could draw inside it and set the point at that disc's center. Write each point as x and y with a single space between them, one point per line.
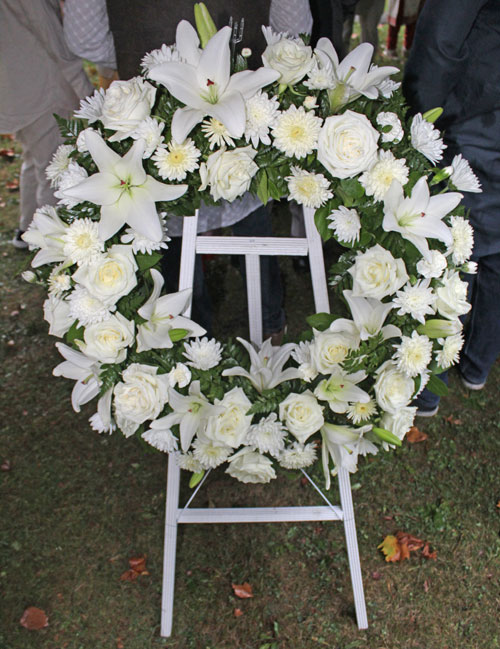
377 274
452 297
230 427
290 57
330 347
108 341
110 276
347 144
250 466
57 313
301 414
125 105
398 423
229 173
141 396
393 389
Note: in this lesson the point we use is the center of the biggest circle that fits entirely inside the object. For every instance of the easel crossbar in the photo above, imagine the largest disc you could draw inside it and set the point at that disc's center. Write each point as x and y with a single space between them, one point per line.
259 514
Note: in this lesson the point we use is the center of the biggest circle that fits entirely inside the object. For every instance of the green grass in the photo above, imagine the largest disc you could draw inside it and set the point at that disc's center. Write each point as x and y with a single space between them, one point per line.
76 506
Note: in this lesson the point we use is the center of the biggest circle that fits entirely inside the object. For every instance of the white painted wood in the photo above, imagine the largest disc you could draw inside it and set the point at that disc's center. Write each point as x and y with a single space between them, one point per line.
253 247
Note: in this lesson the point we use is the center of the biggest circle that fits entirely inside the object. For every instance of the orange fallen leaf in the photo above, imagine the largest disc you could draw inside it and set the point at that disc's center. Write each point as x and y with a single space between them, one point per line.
34 619
451 420
119 644
137 569
8 154
414 435
242 590
411 541
238 612
391 548
426 552
13 185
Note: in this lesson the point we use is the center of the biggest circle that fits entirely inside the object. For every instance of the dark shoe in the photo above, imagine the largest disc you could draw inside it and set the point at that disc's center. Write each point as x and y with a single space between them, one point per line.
423 412
17 242
276 337
470 385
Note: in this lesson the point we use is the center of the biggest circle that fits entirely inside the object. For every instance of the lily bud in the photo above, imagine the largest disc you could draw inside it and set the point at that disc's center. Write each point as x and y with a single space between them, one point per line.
386 436
29 276
204 24
432 115
441 174
437 328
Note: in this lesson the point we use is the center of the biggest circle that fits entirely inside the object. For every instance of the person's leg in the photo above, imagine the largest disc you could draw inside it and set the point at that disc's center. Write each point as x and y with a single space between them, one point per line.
427 402
391 44
370 12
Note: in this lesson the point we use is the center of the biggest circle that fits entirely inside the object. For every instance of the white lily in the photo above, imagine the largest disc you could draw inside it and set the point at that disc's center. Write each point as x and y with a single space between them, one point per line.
340 389
369 315
162 316
266 365
341 443
191 412
202 80
46 231
353 76
419 216
126 194
83 370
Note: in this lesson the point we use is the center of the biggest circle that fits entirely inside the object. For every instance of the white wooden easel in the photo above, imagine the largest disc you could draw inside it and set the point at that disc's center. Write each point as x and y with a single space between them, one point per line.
252 248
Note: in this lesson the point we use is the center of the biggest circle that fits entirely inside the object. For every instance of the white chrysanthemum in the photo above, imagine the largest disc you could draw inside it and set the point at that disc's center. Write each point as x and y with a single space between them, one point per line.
345 223
320 76
302 354
140 243
433 266
176 160
150 131
426 139
470 267
450 352
162 440
203 354
59 164
209 453
216 133
82 244
417 300
91 107
261 112
97 424
298 456
268 436
71 177
58 281
390 119
413 354
379 177
387 87
358 412
163 55
463 239
462 176
311 190
296 132
188 462
86 308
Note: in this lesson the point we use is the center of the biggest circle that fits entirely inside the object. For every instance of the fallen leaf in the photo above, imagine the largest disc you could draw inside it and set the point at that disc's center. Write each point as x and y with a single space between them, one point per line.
411 541
8 154
137 569
129 575
243 590
376 575
414 435
5 466
451 420
13 185
391 548
426 552
426 585
238 612
34 619
119 644
498 504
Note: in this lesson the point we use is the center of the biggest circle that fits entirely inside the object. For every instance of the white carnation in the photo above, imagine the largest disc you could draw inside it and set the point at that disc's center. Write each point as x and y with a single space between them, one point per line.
210 453
433 266
188 462
162 440
463 239
179 375
396 133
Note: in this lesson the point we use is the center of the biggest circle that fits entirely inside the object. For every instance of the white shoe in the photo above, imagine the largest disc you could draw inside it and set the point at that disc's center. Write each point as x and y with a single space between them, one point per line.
472 386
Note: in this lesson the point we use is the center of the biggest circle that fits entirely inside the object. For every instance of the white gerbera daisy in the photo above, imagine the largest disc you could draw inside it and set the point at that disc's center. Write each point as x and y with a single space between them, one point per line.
216 133
379 177
450 352
140 243
91 107
86 308
176 160
345 223
58 281
59 164
150 131
311 190
426 139
268 436
462 176
82 244
433 266
203 354
463 239
261 113
163 440
163 55
413 355
359 412
209 453
71 177
296 132
395 134
417 300
188 462
297 456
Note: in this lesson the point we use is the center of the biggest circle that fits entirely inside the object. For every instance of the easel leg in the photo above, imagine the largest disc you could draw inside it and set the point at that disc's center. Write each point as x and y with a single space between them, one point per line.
172 504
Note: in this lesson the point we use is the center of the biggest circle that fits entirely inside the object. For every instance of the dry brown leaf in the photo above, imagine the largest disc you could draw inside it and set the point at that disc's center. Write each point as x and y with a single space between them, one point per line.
426 585
137 569
34 619
415 435
5 466
498 504
242 591
13 185
411 541
376 575
426 552
8 154
238 612
451 420
119 643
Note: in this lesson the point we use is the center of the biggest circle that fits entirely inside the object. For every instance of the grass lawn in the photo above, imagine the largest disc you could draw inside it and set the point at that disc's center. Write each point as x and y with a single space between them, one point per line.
75 506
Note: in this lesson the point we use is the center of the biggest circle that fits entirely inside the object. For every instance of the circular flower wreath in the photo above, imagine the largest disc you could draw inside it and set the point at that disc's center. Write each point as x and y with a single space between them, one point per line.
199 127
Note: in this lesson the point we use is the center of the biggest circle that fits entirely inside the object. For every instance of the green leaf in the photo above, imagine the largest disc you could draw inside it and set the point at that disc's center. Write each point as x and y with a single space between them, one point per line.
386 436
177 334
437 386
321 221
74 333
352 188
195 479
145 261
320 321
262 189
